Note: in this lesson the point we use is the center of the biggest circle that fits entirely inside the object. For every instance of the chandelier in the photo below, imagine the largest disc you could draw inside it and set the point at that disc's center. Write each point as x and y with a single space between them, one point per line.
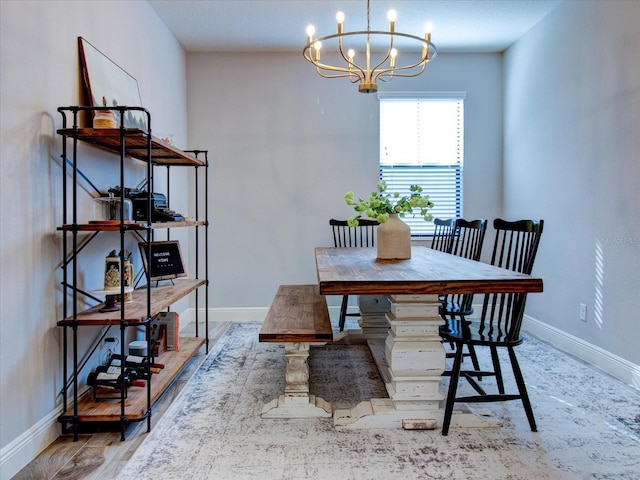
376 64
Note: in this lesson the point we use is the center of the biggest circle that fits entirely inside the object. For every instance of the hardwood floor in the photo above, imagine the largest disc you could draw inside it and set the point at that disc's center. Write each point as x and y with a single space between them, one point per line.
100 455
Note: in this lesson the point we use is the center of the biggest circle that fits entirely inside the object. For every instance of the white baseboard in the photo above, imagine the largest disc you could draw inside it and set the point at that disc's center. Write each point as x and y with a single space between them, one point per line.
240 315
234 315
17 454
615 366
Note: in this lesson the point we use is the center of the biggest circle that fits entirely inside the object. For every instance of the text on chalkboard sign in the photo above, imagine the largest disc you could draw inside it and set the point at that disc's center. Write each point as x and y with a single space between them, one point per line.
162 260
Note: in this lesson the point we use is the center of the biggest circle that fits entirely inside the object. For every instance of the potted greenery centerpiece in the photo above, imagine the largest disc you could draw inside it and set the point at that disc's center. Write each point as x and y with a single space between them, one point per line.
394 235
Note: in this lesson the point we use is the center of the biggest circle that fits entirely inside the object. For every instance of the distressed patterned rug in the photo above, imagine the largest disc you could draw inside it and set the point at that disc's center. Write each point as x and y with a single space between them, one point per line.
589 424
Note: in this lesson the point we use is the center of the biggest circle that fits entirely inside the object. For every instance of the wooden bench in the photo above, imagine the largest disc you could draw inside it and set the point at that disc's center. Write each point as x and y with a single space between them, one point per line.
298 317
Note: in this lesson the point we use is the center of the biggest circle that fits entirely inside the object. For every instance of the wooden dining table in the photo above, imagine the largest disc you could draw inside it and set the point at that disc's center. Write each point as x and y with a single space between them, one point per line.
409 352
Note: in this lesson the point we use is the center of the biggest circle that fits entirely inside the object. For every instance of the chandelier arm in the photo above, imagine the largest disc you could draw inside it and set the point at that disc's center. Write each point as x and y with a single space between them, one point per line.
354 76
321 66
375 69
342 75
337 75
393 75
405 35
358 76
365 32
422 64
397 71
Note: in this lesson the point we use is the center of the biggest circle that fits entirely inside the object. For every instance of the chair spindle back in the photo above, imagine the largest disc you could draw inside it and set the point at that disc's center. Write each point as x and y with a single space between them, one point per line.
515 248
442 234
345 236
361 236
467 240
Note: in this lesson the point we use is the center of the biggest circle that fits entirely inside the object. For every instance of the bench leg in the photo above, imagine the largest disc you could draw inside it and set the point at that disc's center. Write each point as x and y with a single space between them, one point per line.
296 374
296 401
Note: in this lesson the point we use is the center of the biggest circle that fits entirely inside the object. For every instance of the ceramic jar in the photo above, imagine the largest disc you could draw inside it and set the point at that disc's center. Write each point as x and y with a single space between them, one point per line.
394 239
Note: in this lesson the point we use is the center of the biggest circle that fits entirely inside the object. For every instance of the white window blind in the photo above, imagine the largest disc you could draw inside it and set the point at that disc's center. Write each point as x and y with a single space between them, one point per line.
422 142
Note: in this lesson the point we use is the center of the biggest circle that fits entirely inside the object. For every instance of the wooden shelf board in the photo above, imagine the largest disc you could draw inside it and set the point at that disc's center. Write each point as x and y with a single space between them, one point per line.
115 227
136 310
111 227
136 145
184 223
90 410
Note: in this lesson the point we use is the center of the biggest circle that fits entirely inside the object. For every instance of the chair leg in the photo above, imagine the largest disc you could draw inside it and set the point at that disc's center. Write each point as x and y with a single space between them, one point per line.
343 312
474 358
497 370
453 387
522 389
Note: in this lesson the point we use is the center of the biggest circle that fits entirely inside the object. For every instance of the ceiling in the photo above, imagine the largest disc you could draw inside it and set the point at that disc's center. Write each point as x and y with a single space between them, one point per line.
279 25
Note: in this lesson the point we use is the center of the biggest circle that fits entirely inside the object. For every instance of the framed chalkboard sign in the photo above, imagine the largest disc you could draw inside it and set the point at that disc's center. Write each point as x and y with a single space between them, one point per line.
165 262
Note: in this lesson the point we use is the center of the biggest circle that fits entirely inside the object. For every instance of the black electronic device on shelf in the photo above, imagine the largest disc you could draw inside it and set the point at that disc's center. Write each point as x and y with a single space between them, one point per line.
160 211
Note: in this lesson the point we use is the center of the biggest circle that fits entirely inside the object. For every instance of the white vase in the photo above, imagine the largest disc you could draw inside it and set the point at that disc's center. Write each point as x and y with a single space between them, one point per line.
394 239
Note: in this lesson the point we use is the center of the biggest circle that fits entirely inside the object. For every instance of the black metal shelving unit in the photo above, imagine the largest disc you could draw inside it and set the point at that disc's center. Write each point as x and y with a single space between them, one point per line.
147 301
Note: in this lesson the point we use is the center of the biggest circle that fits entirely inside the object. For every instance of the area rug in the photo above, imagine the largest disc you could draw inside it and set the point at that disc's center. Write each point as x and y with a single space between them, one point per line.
589 424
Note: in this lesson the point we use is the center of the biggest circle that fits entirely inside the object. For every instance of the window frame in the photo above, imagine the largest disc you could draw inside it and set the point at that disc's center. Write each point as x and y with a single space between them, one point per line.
443 175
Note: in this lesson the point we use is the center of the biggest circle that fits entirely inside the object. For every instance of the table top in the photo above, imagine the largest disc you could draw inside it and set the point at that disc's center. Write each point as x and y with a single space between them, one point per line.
357 271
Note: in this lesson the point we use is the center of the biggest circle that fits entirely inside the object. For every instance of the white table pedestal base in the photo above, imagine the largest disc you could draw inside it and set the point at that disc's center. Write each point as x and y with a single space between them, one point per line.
297 407
372 322
411 362
381 413
296 401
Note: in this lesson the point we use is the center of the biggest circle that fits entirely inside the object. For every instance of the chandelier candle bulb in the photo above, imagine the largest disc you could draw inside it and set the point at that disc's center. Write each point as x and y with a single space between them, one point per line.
340 19
427 36
391 16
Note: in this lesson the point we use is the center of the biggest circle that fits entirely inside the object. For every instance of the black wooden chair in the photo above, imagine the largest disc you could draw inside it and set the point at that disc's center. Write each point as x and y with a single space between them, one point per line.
345 236
515 247
466 241
442 234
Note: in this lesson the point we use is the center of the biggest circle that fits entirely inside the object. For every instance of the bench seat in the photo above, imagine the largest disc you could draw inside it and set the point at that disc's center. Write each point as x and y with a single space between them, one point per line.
298 317
298 314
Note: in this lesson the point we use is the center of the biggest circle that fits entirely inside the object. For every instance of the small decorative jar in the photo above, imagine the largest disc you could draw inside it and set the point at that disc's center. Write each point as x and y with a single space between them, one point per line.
104 118
112 271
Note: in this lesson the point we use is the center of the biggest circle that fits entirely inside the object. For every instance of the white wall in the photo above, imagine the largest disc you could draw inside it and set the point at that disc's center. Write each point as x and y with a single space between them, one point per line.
39 72
572 112
286 145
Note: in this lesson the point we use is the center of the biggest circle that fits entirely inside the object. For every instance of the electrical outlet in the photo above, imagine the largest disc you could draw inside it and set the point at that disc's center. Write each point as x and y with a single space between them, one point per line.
108 347
583 312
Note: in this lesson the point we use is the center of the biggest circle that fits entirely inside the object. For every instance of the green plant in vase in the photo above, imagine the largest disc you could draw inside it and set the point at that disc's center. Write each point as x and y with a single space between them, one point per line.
381 204
393 236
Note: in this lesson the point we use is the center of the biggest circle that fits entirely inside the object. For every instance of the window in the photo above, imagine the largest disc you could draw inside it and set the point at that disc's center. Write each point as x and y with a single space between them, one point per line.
422 142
